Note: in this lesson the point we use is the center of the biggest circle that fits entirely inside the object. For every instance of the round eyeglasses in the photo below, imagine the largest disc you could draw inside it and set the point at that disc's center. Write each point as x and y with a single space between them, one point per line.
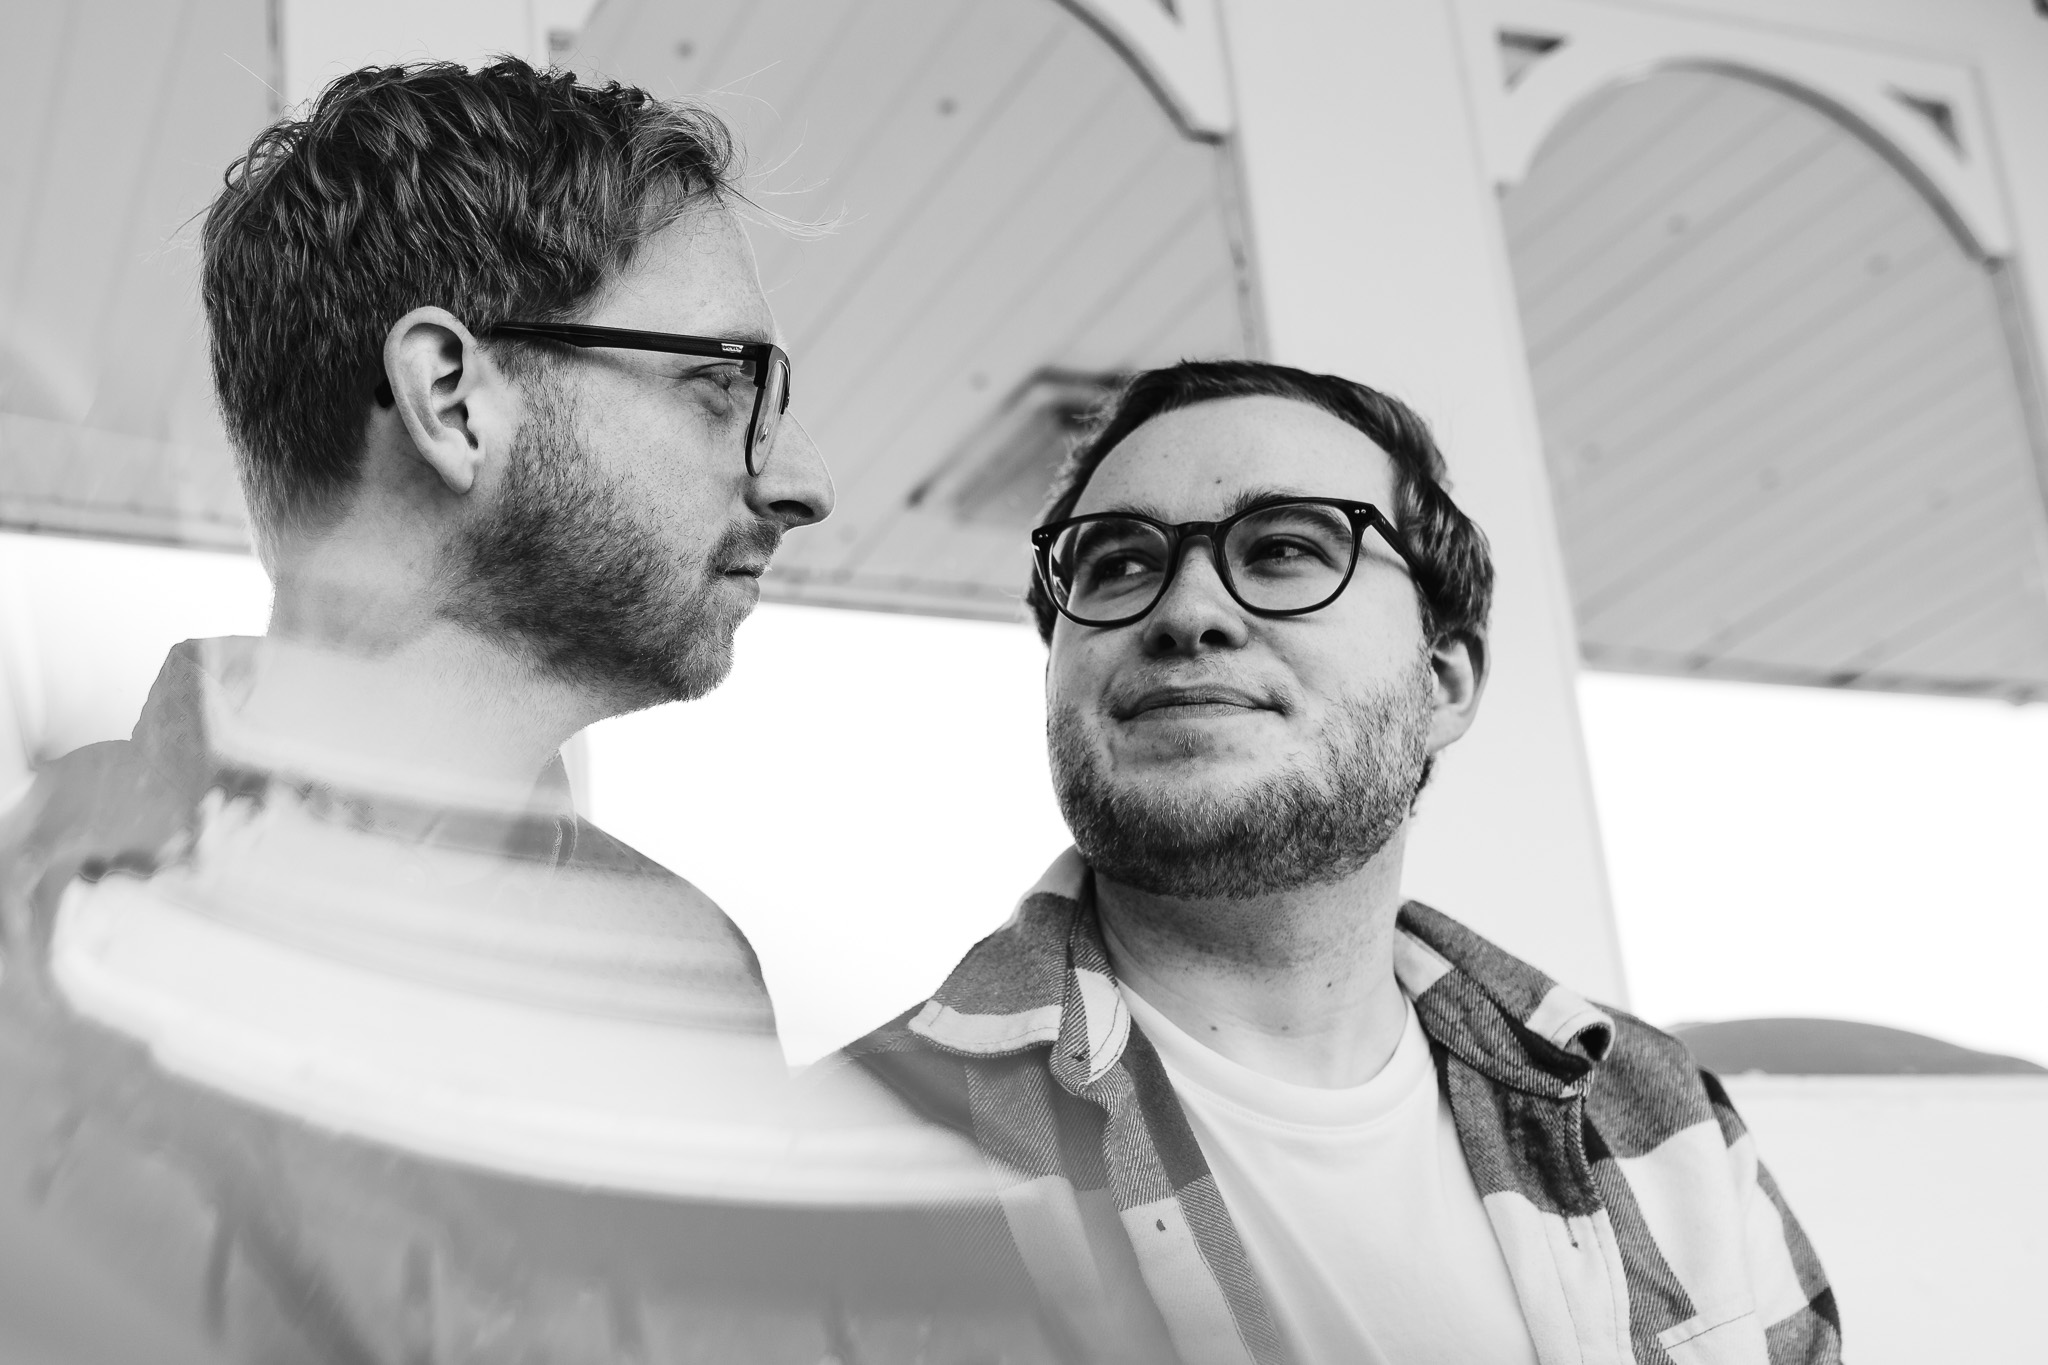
1280 557
764 365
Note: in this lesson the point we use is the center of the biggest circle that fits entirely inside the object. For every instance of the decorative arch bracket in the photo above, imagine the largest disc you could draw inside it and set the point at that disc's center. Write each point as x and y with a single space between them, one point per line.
1531 61
1176 48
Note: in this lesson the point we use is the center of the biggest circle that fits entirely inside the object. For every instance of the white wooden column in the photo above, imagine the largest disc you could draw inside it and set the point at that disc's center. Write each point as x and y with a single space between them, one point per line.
1378 254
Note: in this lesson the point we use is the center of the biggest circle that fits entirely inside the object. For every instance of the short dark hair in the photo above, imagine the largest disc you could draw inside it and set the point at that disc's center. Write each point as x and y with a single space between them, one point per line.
502 192
1454 580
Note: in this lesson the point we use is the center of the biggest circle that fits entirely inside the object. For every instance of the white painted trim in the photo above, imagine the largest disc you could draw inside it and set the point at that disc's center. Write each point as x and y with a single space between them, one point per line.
1177 50
1607 43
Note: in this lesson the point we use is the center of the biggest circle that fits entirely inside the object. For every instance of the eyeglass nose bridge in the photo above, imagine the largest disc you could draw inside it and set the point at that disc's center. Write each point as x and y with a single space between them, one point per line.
1181 541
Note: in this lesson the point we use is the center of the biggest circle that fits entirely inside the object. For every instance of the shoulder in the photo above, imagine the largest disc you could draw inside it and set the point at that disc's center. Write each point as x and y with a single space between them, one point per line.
926 1081
98 809
637 893
875 1050
104 1226
1642 1086
103 792
1649 1089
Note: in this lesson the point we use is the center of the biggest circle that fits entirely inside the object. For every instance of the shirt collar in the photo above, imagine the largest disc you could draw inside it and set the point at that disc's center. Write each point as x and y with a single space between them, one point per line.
192 701
1044 980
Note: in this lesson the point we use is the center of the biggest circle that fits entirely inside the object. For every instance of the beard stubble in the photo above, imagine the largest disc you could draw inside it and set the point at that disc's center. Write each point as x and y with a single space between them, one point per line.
1314 823
563 569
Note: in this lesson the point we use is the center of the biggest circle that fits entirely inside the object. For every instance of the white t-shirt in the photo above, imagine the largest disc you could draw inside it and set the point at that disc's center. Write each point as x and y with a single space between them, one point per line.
1355 1206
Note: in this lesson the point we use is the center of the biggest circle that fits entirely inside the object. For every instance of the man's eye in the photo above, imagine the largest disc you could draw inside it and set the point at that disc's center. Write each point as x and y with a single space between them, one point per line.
1275 551
1289 555
723 377
1122 566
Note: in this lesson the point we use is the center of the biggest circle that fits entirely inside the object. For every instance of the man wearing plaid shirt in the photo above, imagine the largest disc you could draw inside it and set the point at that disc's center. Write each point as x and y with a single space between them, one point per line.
1257 1108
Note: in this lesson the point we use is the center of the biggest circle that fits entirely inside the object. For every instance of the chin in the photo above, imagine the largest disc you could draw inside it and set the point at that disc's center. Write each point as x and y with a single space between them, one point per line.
1194 750
704 668
1189 777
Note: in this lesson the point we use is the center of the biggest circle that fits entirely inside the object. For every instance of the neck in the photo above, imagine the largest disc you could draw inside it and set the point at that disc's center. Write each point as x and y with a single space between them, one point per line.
411 706
1297 985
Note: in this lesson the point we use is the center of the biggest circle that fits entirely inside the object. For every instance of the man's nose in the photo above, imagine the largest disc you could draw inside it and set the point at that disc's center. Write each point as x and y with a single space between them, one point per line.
1197 611
795 488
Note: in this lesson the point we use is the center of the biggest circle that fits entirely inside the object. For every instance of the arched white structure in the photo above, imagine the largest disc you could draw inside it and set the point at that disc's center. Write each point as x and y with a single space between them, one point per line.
1783 410
1546 56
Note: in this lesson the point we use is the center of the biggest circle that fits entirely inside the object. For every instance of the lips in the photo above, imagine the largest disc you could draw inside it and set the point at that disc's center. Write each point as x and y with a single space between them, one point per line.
744 551
1187 697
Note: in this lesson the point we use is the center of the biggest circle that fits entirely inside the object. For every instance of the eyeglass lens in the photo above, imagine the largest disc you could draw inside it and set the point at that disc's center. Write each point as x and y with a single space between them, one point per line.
1289 557
771 397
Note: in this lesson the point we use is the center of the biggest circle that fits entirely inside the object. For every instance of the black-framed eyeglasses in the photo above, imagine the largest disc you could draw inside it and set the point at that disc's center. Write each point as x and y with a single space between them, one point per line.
764 365
1278 557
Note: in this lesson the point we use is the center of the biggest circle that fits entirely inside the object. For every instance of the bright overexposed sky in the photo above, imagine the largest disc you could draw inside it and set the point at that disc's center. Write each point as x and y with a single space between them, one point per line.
867 795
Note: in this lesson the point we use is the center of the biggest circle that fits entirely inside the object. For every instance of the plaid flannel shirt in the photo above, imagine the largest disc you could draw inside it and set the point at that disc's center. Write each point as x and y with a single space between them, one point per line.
1627 1197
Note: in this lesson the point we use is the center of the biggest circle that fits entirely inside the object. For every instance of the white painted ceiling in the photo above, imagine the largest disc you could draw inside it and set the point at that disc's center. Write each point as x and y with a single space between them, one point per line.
1779 407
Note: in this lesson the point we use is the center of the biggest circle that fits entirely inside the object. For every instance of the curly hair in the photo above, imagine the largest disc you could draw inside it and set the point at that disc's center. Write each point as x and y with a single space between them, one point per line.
502 192
1454 580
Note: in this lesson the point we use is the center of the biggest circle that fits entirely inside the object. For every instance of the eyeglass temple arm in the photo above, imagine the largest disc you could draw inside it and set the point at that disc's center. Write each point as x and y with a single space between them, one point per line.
1396 539
626 338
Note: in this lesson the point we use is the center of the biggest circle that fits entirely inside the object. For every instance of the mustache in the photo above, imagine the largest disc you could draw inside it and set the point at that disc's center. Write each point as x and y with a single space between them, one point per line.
751 543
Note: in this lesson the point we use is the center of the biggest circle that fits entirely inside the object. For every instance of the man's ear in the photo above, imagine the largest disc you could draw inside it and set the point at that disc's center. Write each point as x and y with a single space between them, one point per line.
454 403
1457 663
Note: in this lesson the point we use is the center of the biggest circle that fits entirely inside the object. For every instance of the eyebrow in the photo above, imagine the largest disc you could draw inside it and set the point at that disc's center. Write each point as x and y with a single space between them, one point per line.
752 329
1249 497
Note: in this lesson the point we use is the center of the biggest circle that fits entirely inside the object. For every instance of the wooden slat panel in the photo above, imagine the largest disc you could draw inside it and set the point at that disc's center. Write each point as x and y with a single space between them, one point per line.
40 39
1780 232
1777 402
947 290
1024 296
1139 315
949 129
1742 402
1892 444
1771 555
121 119
1593 153
1631 209
91 218
1857 579
1808 286
1993 639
